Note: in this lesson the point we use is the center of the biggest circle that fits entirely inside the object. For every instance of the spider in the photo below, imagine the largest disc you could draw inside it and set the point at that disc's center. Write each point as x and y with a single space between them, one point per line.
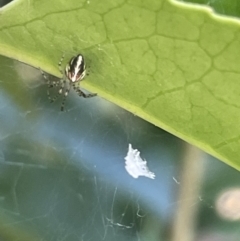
75 71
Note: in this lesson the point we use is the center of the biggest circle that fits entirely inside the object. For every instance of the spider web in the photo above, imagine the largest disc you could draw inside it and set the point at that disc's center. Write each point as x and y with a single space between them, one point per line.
63 174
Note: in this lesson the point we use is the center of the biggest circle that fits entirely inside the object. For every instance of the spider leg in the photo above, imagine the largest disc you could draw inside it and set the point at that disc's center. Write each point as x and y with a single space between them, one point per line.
65 95
88 71
81 93
55 84
50 84
45 77
60 64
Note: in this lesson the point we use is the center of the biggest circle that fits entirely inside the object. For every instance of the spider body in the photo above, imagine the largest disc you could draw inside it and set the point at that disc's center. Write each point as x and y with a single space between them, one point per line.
75 71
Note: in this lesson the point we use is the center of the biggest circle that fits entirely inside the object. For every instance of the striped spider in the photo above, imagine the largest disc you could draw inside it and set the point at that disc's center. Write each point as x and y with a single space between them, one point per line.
75 72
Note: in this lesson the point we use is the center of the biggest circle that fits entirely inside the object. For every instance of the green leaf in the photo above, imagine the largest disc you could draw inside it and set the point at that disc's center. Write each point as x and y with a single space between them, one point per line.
175 65
226 7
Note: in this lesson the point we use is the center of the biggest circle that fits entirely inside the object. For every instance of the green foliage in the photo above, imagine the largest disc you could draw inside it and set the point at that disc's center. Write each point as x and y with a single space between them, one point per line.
173 64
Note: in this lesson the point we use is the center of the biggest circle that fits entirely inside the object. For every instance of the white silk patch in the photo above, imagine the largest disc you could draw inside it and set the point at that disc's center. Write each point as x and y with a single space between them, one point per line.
135 165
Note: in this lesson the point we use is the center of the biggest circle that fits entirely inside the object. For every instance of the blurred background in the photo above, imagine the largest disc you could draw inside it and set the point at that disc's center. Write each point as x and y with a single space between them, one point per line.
62 174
